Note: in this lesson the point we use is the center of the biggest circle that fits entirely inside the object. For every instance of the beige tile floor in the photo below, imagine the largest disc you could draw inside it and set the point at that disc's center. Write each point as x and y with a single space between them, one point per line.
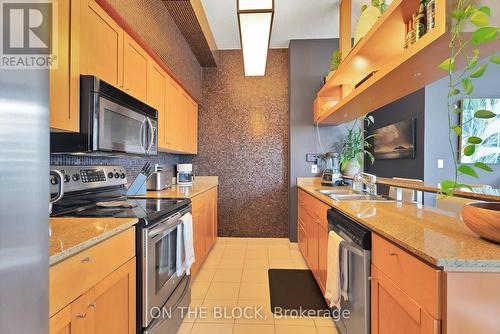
235 274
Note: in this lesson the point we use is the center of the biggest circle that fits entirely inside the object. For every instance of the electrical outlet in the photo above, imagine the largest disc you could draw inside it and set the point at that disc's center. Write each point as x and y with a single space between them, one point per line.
440 163
314 169
312 157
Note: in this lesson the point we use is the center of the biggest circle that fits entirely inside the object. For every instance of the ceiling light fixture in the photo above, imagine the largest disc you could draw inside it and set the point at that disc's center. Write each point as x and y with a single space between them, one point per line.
255 20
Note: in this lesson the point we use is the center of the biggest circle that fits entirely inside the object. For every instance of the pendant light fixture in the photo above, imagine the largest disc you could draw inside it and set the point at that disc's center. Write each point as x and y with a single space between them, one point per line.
255 20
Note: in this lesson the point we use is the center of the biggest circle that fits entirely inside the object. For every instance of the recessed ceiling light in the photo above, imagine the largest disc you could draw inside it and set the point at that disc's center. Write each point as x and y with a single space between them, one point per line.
255 19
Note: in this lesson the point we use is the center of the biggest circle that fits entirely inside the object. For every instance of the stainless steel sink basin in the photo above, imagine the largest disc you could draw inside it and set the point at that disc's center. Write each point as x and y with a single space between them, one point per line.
351 195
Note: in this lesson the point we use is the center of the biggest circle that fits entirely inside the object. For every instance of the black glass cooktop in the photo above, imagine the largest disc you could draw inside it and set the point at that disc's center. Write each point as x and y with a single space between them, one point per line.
146 209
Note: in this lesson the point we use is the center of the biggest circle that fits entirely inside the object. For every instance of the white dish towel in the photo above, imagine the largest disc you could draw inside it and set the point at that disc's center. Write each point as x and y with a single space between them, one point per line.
187 232
333 272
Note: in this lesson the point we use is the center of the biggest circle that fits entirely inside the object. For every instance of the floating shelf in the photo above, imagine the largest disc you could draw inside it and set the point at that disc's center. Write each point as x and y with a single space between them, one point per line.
397 71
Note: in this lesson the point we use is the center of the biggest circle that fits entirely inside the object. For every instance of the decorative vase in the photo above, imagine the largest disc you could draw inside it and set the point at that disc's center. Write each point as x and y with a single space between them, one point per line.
351 168
483 218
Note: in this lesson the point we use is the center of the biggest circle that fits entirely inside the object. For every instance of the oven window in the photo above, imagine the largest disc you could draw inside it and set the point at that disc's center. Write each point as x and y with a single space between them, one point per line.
165 258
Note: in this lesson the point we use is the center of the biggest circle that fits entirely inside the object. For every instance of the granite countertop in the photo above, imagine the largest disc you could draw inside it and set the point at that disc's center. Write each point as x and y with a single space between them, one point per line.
200 185
439 237
72 235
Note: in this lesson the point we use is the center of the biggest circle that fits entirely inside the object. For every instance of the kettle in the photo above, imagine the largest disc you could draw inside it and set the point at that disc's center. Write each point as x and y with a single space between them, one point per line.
56 177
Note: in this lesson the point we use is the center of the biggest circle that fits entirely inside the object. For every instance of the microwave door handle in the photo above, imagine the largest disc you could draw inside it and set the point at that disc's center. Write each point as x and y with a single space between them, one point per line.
151 135
141 134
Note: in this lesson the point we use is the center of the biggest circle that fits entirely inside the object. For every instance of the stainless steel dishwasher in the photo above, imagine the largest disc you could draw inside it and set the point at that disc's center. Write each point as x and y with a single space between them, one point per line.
357 247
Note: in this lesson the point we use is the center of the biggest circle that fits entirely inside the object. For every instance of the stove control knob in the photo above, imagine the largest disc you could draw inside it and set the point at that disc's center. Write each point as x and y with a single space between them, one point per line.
53 180
122 175
117 175
67 178
75 177
110 175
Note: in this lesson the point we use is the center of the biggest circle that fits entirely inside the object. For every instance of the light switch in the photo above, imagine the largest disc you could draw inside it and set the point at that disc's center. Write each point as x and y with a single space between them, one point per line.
314 169
440 163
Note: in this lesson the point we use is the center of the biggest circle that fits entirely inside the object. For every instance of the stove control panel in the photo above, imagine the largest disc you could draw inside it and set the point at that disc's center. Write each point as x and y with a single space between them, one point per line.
78 178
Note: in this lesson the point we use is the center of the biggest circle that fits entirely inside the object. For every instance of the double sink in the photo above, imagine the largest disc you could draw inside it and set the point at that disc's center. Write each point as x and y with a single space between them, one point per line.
352 195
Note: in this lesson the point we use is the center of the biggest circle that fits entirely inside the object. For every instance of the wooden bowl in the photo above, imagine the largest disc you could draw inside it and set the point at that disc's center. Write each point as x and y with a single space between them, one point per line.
483 218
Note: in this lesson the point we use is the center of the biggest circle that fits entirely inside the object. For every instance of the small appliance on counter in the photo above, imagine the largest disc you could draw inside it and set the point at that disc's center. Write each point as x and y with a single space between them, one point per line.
185 175
158 180
331 176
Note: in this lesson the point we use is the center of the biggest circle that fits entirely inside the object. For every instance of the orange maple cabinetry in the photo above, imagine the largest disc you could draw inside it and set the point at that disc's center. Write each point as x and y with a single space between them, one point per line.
94 291
135 68
204 225
405 292
312 231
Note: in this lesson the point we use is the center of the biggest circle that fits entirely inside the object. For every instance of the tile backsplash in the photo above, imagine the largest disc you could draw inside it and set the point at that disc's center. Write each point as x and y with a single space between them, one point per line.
131 164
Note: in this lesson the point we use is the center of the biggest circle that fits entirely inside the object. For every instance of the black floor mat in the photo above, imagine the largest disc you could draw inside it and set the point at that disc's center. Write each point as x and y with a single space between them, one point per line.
293 289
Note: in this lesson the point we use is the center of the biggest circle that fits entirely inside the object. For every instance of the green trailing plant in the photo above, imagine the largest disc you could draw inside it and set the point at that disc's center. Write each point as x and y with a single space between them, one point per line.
335 60
380 4
465 48
356 144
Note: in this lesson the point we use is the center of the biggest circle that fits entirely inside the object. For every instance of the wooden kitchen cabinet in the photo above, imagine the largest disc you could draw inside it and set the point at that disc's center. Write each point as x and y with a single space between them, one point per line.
405 291
173 117
64 80
204 208
101 44
312 231
157 90
94 291
135 69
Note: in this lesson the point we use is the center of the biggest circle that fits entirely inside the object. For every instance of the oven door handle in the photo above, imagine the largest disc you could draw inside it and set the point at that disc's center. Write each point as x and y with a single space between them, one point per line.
159 232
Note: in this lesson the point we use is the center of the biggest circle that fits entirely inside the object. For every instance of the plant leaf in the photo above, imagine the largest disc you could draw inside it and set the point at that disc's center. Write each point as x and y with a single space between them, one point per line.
483 166
475 52
474 140
479 18
486 10
447 65
484 34
457 110
467 85
457 14
463 185
472 62
479 71
447 186
469 150
495 60
454 92
467 170
484 114
457 129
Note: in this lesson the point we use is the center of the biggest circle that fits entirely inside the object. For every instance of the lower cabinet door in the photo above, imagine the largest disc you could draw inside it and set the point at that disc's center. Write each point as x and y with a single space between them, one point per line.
115 301
312 244
60 323
302 237
322 256
393 311
83 314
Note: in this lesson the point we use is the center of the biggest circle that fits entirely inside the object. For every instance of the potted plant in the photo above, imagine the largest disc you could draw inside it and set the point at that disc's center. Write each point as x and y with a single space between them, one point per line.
335 60
484 219
355 148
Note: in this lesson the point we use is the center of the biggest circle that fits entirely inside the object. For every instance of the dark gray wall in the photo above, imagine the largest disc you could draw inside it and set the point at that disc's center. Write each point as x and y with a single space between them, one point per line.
309 62
436 129
412 105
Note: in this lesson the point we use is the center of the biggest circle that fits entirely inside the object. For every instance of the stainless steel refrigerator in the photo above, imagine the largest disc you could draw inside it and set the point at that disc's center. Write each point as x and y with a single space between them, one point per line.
24 197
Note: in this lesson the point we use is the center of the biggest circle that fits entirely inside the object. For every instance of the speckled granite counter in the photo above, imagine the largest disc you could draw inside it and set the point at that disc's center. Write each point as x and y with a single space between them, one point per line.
72 235
201 184
438 237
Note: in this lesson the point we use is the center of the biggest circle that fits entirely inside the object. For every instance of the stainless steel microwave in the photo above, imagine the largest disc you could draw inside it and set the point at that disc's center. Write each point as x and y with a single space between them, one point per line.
111 122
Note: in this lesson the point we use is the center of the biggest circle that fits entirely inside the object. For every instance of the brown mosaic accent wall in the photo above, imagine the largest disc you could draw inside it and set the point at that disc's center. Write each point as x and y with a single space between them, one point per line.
243 138
152 21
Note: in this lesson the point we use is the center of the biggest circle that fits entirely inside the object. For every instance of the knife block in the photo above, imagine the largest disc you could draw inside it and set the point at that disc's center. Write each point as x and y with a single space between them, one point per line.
138 187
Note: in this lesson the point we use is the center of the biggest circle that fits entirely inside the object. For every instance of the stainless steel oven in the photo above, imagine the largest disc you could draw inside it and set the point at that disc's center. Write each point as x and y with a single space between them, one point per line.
163 248
111 122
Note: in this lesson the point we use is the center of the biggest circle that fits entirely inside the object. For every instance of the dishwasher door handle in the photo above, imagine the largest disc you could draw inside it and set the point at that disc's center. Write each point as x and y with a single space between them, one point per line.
351 248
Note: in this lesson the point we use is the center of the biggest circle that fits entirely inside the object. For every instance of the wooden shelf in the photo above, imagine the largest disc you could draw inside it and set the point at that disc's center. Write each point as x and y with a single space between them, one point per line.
398 71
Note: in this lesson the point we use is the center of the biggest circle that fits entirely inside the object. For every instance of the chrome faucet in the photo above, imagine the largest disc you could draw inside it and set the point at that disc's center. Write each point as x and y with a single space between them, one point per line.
365 182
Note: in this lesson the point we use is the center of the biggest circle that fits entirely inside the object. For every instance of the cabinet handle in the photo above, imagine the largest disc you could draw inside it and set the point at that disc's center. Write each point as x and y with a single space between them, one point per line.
370 278
86 259
81 315
92 305
393 254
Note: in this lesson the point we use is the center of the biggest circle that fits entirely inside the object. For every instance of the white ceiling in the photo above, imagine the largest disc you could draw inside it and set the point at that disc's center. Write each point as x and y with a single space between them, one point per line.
293 19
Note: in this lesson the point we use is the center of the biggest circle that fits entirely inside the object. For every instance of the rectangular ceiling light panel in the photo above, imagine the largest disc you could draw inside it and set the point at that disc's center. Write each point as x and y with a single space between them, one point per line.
255 19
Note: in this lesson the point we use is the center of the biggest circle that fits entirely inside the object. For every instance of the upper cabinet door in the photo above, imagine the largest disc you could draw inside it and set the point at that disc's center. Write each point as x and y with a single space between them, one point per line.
102 44
135 69
64 91
193 127
157 86
173 125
